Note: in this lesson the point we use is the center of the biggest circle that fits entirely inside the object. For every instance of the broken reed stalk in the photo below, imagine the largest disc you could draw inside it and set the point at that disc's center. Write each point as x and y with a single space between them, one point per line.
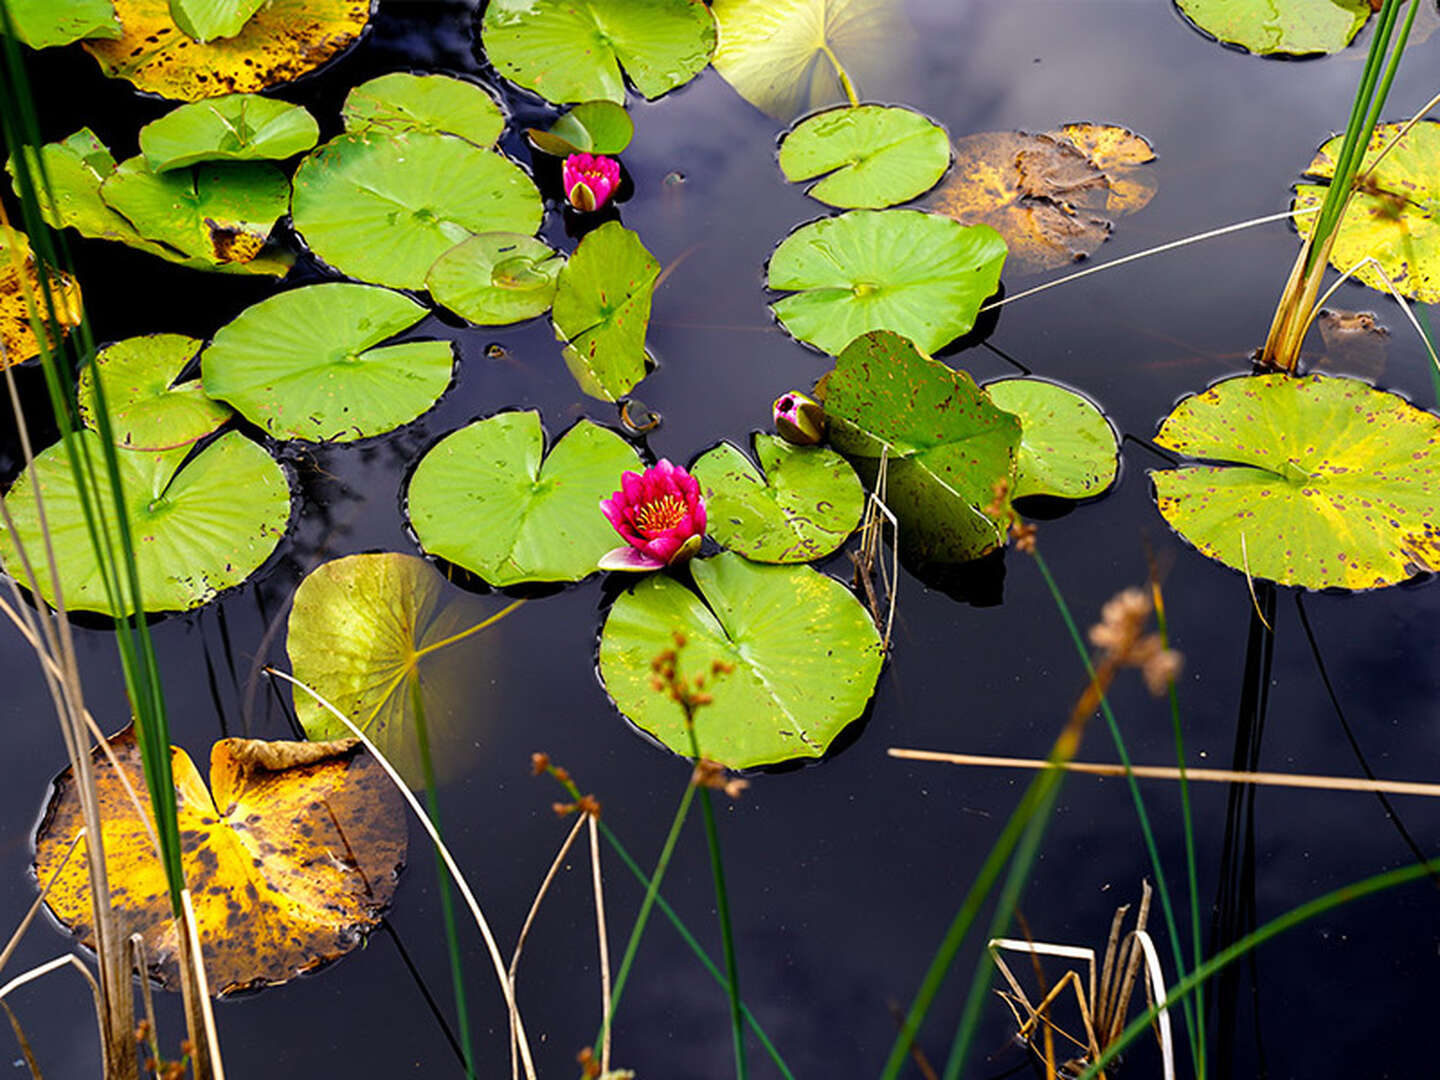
602 935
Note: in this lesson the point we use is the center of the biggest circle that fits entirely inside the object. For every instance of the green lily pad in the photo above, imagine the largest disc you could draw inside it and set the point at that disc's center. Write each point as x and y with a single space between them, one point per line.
948 446
1396 220
304 364
383 208
592 127
802 506
482 499
875 155
494 279
432 104
237 127
198 528
602 307
1325 482
1291 28
920 275
42 24
1067 447
149 410
805 655
573 50
205 20
364 631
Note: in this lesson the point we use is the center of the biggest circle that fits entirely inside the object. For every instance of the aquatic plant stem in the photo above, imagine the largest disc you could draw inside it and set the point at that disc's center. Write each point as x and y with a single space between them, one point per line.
602 937
840 73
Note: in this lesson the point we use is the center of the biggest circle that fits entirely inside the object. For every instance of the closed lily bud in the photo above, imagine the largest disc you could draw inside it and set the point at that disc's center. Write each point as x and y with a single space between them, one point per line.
798 419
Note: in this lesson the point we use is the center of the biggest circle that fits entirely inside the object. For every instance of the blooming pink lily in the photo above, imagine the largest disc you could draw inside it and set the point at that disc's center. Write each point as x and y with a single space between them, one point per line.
661 516
589 180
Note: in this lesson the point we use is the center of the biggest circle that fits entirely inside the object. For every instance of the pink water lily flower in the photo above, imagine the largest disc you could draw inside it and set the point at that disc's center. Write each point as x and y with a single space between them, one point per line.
661 516
590 180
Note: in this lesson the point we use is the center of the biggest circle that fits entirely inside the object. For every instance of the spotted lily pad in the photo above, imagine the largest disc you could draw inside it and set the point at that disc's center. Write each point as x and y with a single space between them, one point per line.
573 50
875 156
149 410
805 657
1291 28
290 861
1323 481
42 24
308 363
205 20
236 127
1067 447
494 279
917 274
592 127
199 524
1395 219
802 506
21 296
483 499
383 207
434 104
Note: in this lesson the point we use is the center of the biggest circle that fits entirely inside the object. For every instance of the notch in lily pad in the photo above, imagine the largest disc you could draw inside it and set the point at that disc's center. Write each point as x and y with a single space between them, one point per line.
592 127
236 127
149 408
869 156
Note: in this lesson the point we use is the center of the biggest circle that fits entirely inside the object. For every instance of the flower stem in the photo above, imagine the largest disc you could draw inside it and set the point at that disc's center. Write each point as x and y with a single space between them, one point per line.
840 73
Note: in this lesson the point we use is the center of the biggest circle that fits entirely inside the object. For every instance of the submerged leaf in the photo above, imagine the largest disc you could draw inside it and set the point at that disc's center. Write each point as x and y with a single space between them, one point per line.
1291 28
290 861
21 295
236 127
482 499
1067 448
494 279
42 24
1325 481
805 657
876 156
148 409
434 104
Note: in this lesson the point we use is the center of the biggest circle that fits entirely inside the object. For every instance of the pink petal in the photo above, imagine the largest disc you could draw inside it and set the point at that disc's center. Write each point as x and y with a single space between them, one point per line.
627 558
632 485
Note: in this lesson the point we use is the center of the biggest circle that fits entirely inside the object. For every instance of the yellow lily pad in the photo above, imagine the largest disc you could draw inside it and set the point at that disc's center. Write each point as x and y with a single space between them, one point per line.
19 280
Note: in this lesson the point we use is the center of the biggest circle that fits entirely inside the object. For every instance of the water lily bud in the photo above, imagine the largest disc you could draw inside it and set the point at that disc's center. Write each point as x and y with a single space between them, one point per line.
798 419
659 514
589 180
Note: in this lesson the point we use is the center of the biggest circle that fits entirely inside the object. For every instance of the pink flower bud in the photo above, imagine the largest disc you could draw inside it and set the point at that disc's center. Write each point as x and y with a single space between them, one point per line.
589 180
798 419
660 515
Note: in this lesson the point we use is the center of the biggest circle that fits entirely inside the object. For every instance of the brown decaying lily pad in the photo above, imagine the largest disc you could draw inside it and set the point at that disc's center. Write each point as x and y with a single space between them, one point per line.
282 41
290 871
19 279
1355 344
1048 194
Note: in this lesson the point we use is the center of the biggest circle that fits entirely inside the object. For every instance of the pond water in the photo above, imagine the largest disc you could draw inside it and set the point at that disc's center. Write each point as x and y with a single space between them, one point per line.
843 875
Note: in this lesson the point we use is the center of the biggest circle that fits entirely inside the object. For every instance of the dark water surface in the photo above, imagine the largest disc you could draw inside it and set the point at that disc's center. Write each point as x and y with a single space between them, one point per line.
843 875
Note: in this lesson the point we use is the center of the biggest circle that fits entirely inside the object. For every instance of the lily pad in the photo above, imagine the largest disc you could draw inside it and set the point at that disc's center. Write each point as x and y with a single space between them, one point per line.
42 24
205 20
602 307
1292 28
777 53
920 275
433 104
383 208
805 657
278 887
875 155
1325 481
236 127
199 525
802 506
21 295
949 448
1396 219
573 50
149 410
494 279
305 364
368 632
482 498
592 127
282 41
1067 447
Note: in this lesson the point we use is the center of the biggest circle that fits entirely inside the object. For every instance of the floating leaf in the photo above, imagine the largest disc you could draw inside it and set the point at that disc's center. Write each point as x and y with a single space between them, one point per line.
383 208
1395 217
592 127
1292 28
290 862
433 104
199 525
364 631
805 656
1067 448
45 23
284 40
494 279
482 499
1325 482
777 53
920 275
20 295
602 307
205 20
149 410
875 155
802 506
236 127
948 446
1046 194
573 50
304 364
